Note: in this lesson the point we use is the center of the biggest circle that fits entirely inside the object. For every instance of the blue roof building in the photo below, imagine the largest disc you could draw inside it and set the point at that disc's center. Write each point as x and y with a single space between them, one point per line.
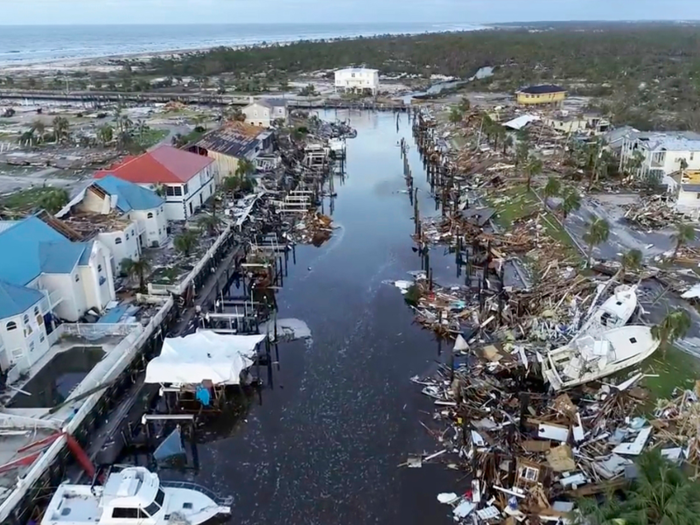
130 196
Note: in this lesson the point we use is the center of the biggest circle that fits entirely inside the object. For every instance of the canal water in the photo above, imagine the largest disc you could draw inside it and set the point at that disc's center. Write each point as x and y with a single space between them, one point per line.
323 443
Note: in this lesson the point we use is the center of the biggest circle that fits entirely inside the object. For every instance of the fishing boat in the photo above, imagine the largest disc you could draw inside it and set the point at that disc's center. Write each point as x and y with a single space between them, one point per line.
134 496
615 312
589 357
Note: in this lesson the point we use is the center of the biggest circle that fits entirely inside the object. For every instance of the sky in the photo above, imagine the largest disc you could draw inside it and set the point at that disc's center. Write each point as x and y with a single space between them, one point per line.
48 12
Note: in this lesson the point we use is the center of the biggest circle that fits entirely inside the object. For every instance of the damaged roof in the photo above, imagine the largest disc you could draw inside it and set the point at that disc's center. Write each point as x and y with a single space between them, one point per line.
130 196
236 140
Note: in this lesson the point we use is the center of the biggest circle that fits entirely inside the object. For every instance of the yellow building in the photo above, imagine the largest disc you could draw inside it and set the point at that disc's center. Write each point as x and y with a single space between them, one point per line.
541 94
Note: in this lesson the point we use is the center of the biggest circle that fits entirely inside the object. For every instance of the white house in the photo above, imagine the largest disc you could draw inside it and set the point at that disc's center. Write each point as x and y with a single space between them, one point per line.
186 179
46 277
263 112
357 79
661 153
124 216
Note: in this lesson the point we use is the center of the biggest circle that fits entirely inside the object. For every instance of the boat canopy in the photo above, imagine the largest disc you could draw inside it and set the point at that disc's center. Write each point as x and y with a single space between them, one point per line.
203 356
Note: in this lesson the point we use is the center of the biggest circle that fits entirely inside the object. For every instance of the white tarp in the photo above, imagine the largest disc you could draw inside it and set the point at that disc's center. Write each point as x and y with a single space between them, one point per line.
201 356
521 121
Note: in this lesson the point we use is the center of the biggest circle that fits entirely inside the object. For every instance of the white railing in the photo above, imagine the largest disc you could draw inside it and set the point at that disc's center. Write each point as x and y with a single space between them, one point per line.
55 298
163 289
97 330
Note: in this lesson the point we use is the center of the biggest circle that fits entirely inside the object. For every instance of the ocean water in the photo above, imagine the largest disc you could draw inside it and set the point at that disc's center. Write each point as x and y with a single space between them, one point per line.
37 44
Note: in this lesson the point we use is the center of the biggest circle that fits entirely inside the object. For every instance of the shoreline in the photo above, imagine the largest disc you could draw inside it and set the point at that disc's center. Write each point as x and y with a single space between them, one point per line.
106 62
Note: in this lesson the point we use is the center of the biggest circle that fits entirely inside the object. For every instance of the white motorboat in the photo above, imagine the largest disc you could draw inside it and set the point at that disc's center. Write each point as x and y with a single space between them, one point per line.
615 312
588 358
134 496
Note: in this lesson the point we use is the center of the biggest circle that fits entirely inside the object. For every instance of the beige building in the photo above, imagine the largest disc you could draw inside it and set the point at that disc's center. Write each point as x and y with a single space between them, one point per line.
231 143
264 112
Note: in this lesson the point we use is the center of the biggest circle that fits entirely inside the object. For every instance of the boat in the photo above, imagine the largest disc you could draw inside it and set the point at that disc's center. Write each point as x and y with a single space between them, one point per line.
134 496
615 312
588 358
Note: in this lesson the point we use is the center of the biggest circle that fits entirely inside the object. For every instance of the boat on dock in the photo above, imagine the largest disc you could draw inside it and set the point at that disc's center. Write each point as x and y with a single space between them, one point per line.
588 358
615 312
135 496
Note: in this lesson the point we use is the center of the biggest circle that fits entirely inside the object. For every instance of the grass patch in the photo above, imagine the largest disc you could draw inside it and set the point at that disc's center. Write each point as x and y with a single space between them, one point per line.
519 203
151 137
25 200
678 369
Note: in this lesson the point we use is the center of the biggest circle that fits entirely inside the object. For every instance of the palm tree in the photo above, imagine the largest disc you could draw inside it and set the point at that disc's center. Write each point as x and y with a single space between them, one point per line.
105 134
533 168
634 163
185 242
552 188
39 128
61 128
137 269
231 184
598 232
27 138
661 493
572 202
54 200
210 223
685 233
455 115
674 326
245 167
507 143
631 261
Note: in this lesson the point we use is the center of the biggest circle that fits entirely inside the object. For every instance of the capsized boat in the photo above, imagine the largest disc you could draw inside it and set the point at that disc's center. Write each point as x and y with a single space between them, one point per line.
588 357
134 496
615 312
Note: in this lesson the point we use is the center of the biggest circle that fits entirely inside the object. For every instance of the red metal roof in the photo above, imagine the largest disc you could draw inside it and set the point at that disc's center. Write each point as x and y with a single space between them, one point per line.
165 164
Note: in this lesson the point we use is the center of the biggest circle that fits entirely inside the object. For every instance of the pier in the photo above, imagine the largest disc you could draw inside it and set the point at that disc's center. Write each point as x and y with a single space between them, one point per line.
97 98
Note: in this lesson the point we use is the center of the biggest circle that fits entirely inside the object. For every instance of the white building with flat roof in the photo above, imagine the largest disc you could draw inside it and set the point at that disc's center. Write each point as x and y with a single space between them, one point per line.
357 79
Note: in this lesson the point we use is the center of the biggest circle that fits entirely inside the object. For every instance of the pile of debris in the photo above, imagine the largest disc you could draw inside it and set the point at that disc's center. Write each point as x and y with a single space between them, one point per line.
550 313
529 454
651 213
313 228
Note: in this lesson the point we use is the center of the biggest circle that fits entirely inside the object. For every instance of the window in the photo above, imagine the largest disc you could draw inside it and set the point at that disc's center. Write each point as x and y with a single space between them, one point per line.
39 320
169 191
529 473
633 340
11 326
36 310
692 154
132 232
150 215
125 513
42 338
25 319
118 240
31 346
161 209
154 507
178 191
159 231
99 267
77 278
185 189
127 236
156 213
